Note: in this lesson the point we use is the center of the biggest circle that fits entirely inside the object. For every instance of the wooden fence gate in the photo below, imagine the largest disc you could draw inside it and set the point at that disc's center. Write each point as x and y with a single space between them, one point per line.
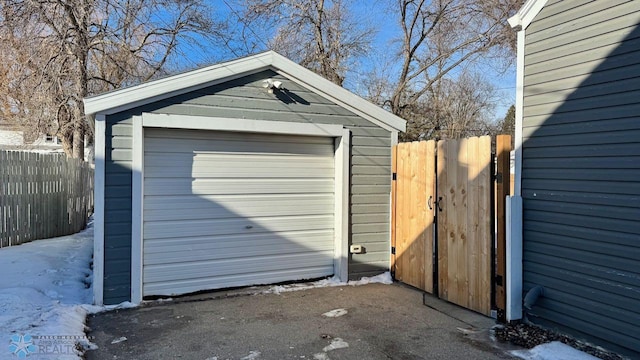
442 219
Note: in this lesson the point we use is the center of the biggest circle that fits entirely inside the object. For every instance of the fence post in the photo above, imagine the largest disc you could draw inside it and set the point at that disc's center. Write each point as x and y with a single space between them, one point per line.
394 163
503 189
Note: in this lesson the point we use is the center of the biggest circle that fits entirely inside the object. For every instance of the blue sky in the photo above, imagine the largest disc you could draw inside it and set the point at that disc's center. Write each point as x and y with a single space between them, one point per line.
372 13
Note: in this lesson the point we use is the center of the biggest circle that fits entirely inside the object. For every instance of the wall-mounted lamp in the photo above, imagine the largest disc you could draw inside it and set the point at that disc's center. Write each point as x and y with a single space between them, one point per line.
271 84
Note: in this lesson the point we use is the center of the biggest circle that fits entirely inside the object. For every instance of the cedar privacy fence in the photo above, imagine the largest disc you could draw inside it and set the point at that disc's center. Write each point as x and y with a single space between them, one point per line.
448 203
42 196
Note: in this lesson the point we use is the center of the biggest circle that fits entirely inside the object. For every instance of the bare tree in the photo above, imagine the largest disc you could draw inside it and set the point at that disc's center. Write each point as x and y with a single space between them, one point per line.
457 108
438 38
68 49
320 35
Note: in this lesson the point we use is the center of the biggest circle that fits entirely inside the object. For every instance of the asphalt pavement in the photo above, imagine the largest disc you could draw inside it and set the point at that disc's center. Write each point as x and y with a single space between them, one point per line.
372 321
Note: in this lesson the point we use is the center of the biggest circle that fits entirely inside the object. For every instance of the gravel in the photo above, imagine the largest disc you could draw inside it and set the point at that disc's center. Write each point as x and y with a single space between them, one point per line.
529 336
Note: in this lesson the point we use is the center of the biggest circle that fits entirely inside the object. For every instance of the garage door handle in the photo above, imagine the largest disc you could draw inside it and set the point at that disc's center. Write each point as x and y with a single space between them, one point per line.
248 227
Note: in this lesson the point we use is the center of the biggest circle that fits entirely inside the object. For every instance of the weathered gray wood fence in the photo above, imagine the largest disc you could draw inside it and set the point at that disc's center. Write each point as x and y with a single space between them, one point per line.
42 196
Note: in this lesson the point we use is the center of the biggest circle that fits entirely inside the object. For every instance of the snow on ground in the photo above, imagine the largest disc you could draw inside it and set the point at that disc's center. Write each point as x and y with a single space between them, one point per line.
384 278
552 351
42 287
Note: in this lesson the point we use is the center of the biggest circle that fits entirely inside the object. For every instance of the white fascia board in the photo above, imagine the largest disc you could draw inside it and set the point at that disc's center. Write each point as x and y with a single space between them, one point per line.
338 94
192 122
527 13
138 95
98 210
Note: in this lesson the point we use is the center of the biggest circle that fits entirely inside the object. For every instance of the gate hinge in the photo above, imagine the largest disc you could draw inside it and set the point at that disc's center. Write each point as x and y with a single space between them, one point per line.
499 280
393 250
394 176
498 178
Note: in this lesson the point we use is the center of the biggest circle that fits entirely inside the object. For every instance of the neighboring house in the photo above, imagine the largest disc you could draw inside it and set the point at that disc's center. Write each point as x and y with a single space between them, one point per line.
252 171
12 138
578 167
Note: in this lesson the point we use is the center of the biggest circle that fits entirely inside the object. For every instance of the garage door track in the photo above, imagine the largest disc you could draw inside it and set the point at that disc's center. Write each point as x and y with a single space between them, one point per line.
373 321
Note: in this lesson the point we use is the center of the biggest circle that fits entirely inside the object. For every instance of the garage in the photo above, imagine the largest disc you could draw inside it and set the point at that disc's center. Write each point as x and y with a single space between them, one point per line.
226 209
248 172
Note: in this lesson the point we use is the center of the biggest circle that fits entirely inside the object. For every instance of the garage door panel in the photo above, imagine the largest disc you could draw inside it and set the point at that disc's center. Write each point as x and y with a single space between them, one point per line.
226 267
242 241
158 161
164 147
170 288
258 170
235 210
238 209
236 202
239 186
251 250
208 227
211 137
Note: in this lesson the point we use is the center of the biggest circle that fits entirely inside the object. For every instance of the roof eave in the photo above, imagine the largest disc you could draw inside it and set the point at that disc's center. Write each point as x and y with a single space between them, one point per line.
135 96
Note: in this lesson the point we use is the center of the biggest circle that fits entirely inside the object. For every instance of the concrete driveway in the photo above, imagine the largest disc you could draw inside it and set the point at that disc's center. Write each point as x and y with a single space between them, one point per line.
381 322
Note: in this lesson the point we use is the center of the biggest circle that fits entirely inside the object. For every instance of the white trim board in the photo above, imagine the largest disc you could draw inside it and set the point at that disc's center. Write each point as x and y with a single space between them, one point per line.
342 184
98 211
135 96
527 13
137 198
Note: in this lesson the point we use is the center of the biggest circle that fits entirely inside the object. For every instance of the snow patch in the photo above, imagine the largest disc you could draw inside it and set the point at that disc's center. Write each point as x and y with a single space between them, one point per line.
551 351
336 343
384 278
118 340
45 285
335 313
95 309
321 356
252 355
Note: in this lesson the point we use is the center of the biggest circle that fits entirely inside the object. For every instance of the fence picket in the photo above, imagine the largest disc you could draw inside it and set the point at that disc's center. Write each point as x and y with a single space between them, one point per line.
42 196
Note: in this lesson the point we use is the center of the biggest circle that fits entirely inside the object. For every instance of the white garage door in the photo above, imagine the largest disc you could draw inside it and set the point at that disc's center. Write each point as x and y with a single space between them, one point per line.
228 209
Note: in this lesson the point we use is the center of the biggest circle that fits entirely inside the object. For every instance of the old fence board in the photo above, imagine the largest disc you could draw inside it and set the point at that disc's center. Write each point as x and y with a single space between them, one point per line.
42 196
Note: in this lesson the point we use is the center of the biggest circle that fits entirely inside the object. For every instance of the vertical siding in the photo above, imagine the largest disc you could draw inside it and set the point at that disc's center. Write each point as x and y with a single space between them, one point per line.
581 169
246 98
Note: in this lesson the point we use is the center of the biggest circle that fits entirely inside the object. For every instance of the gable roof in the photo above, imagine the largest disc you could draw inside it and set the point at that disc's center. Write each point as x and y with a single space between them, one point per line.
527 13
152 91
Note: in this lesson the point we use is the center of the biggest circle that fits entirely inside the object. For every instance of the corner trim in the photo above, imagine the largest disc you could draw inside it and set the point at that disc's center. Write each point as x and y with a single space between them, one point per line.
137 198
517 186
341 253
98 217
513 254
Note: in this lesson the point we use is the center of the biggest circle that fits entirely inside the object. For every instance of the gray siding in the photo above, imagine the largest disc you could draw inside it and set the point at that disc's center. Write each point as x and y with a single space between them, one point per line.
581 169
246 98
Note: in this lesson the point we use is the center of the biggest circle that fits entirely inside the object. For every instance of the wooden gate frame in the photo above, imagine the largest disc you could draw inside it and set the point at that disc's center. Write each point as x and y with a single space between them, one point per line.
500 188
